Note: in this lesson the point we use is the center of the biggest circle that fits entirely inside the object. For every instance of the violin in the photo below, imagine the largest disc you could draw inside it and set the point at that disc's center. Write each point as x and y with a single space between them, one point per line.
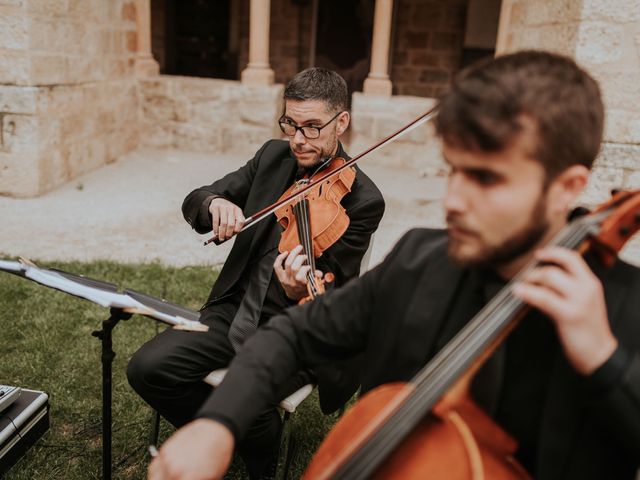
310 210
430 428
316 220
303 190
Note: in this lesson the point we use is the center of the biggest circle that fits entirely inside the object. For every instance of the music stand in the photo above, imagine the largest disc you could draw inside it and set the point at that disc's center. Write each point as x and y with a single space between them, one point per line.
122 306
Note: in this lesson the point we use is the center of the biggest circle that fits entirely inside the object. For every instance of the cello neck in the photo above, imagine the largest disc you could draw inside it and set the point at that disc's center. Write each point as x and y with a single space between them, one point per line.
465 352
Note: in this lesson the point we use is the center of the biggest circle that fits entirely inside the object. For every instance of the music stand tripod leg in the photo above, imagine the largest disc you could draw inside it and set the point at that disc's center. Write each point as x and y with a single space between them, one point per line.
107 360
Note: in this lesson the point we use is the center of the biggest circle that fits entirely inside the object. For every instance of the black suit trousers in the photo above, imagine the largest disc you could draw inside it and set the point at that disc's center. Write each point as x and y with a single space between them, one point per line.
168 372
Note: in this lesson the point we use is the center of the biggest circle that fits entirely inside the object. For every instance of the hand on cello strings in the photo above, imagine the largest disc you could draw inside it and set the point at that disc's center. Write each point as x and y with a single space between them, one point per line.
292 271
565 288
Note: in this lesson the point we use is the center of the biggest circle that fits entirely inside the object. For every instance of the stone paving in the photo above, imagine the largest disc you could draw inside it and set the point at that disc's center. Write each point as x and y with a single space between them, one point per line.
129 211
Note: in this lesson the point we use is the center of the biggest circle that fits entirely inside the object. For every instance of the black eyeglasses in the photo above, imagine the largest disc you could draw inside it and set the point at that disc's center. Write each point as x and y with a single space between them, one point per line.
311 133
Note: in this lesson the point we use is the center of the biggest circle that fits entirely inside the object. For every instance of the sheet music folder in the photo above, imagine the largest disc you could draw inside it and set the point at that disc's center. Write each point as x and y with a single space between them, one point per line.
106 294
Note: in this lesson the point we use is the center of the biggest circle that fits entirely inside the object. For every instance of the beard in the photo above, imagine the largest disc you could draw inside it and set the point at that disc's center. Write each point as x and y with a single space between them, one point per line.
511 248
319 155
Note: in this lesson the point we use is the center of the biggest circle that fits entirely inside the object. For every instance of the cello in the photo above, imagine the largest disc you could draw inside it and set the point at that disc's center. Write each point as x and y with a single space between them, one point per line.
430 427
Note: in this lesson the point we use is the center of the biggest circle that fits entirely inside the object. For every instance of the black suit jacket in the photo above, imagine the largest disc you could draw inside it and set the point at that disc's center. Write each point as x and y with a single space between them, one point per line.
259 184
394 313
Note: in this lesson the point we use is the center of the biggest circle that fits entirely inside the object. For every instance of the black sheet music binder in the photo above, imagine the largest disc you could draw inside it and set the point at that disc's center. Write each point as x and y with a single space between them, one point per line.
106 294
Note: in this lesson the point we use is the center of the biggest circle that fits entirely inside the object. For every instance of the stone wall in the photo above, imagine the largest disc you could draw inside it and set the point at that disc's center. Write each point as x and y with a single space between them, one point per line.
376 117
67 91
427 43
284 33
427 46
208 115
604 37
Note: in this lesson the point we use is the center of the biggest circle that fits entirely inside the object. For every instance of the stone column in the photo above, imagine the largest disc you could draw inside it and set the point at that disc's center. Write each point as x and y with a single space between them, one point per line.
258 71
378 82
145 63
504 37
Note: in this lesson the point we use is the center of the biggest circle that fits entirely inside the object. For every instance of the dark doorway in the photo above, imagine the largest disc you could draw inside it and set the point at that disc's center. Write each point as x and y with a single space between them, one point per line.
343 39
192 37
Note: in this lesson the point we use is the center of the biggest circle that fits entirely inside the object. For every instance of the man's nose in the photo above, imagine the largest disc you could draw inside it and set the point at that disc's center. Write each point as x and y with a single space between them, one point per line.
454 198
299 138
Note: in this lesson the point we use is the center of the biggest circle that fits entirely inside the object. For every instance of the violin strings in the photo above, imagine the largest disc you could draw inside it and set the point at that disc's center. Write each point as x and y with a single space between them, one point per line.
309 252
301 212
438 373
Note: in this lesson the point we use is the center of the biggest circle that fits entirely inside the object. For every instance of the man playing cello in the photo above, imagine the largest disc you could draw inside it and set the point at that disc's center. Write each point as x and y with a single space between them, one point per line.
520 133
257 281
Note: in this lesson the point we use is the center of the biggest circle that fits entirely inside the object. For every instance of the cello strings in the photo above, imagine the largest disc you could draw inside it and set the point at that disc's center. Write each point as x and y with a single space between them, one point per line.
498 320
413 406
496 306
491 321
437 375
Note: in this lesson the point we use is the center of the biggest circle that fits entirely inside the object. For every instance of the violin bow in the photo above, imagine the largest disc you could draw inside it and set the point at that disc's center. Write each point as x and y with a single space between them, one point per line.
265 212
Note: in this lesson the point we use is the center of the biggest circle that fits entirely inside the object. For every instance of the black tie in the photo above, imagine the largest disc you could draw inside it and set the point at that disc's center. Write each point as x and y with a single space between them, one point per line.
245 322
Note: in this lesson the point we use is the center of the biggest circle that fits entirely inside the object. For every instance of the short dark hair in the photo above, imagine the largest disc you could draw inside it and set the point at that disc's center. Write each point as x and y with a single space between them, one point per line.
318 84
484 109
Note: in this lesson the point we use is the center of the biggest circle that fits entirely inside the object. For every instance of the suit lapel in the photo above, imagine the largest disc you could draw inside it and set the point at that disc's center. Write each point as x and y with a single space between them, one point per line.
423 318
280 180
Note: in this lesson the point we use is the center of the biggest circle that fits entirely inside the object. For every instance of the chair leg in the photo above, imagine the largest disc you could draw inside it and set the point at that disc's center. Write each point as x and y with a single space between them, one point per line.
155 428
284 451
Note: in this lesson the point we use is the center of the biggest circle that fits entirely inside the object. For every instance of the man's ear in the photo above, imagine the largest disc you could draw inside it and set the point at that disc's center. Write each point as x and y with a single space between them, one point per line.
342 122
565 189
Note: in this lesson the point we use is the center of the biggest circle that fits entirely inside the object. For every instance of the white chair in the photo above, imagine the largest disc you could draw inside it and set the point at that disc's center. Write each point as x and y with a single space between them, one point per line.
289 404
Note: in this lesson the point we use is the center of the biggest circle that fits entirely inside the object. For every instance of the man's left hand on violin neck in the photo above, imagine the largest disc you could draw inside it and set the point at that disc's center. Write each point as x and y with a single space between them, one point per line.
292 271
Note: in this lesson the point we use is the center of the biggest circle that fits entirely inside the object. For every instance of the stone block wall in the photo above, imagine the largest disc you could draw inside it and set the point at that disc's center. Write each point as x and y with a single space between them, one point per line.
284 33
208 115
603 37
427 46
376 117
68 102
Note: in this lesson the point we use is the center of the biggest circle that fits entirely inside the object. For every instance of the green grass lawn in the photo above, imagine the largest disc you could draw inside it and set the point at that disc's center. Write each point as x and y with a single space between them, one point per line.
46 344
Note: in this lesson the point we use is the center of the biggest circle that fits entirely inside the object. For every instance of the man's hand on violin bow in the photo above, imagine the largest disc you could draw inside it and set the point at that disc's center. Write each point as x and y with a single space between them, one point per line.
227 218
292 270
201 450
564 288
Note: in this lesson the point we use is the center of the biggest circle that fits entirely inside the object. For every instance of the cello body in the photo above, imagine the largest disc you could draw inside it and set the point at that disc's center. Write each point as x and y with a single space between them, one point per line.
450 443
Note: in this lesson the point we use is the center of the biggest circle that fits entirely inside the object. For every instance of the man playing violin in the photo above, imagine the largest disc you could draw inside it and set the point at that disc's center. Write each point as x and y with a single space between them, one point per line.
520 133
257 281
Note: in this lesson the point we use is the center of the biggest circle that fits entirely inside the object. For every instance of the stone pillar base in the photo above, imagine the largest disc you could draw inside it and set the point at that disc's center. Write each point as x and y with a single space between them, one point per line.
377 86
146 66
257 76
